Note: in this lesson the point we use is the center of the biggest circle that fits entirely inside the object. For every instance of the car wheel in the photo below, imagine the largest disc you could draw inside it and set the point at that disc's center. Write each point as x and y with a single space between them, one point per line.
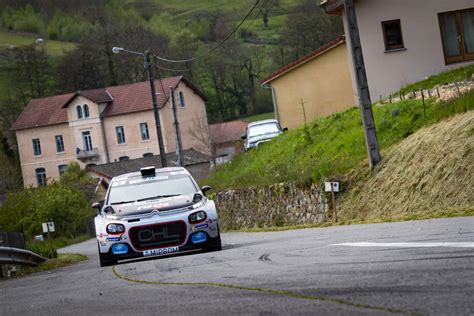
105 259
215 243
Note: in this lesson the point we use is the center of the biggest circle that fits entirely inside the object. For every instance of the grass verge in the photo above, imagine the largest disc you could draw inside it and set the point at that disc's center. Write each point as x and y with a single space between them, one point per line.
63 260
458 74
330 146
42 247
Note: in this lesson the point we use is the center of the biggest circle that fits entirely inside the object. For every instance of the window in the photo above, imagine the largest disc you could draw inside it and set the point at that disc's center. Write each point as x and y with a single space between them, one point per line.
181 99
36 147
457 35
59 143
147 155
79 111
86 110
87 139
144 131
124 158
41 176
62 169
392 34
120 134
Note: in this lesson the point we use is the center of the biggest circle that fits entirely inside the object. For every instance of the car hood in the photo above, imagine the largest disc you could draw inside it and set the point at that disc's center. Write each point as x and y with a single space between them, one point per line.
263 137
163 204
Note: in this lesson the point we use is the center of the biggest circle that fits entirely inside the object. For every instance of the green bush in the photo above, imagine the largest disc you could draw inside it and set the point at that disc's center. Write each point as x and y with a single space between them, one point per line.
23 19
65 202
69 27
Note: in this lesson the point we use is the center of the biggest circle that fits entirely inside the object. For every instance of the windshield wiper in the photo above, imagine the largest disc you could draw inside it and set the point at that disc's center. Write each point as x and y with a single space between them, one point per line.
157 197
121 202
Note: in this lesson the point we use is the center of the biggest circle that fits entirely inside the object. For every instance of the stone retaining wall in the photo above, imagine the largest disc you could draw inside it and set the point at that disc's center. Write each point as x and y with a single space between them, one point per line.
276 205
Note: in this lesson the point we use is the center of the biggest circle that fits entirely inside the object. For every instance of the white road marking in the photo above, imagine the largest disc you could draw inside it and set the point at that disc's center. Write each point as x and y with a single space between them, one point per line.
408 244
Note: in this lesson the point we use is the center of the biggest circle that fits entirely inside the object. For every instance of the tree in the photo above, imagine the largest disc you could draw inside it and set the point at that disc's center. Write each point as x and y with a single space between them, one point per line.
32 75
306 29
265 6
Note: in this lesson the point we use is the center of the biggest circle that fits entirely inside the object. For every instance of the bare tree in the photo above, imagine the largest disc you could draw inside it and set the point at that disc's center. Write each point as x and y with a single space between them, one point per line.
265 6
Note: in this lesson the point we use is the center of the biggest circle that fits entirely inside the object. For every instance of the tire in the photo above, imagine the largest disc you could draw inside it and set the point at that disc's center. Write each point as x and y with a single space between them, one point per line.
215 243
106 259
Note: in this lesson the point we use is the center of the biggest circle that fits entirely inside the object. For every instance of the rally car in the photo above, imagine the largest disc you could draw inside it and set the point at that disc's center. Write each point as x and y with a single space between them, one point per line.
155 212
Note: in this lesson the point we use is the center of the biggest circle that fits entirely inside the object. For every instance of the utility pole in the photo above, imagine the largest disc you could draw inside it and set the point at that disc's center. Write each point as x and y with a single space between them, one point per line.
179 146
362 86
155 109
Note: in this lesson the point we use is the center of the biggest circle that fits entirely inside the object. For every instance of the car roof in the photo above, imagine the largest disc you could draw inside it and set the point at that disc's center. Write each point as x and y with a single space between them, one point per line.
263 122
157 170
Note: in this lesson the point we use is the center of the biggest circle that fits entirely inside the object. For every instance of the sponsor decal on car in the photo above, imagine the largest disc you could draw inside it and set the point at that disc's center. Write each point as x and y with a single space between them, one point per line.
198 237
113 239
198 227
119 249
160 251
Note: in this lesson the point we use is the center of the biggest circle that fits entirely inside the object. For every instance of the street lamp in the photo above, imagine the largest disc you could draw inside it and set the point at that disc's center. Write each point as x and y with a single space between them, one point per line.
146 57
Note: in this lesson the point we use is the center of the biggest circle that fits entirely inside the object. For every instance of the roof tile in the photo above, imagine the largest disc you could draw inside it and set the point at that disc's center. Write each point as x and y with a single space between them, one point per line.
134 97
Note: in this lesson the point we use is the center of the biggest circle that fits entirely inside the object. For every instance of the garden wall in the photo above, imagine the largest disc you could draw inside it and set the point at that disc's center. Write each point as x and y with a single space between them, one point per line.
276 205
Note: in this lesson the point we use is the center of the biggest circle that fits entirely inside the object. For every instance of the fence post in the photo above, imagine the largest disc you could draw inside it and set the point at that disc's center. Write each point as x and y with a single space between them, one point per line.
423 100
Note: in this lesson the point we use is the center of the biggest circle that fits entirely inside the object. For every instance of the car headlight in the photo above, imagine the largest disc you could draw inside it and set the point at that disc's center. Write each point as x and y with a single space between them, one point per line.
115 228
197 217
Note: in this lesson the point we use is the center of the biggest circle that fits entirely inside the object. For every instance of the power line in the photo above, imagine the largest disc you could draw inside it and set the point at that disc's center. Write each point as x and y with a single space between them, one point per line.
170 69
215 47
162 87
252 21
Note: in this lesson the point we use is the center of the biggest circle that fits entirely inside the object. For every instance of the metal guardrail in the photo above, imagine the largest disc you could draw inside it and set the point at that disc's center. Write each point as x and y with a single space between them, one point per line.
15 256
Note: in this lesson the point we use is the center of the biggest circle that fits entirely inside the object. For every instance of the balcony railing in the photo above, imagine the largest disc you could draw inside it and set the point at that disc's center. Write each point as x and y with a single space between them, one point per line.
87 154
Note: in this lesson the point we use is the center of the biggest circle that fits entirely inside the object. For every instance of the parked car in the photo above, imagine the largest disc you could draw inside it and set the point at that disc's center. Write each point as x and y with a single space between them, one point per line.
155 212
261 131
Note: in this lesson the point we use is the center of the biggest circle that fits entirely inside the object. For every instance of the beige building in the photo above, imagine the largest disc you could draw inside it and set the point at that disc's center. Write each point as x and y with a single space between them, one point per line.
404 41
101 126
321 79
226 140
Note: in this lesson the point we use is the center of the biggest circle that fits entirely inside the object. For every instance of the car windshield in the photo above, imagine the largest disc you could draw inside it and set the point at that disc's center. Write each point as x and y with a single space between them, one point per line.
262 129
150 188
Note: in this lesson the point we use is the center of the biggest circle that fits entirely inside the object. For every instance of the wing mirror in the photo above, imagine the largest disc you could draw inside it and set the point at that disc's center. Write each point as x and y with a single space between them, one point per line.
244 136
285 129
97 207
205 188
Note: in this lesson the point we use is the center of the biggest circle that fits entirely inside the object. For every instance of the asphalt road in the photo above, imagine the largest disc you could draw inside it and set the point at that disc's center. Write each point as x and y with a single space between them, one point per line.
419 267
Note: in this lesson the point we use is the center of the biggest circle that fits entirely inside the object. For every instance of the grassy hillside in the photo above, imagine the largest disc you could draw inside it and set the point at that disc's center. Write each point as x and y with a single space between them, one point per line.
428 172
54 48
330 146
193 6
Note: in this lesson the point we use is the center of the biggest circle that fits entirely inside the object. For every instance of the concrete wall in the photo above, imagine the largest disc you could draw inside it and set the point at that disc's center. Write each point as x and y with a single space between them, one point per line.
388 71
324 84
275 205
91 124
134 146
49 158
192 119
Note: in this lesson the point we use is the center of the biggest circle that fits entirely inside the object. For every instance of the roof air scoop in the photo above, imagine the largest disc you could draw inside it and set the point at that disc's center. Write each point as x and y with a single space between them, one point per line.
148 171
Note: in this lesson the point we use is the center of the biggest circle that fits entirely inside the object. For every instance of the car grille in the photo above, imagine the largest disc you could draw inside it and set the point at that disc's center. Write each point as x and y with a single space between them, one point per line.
158 235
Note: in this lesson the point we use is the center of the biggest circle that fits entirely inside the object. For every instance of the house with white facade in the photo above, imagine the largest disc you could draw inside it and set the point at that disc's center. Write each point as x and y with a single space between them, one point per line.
106 125
404 41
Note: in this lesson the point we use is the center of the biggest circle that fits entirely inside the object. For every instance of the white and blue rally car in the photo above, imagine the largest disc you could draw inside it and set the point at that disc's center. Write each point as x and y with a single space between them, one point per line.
155 212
